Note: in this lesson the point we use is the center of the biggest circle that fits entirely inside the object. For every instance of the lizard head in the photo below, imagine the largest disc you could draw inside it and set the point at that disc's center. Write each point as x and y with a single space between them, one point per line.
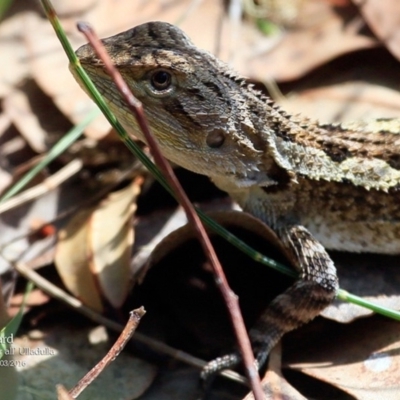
204 116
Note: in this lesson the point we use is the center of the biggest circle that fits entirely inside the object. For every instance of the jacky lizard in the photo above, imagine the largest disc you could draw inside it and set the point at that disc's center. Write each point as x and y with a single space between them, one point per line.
316 185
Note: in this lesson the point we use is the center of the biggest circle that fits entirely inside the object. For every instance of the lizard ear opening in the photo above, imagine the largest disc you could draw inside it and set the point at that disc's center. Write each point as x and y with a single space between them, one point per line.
215 139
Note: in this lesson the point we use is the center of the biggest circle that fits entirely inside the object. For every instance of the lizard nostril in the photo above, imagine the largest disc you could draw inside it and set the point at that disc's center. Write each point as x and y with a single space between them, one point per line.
161 80
215 139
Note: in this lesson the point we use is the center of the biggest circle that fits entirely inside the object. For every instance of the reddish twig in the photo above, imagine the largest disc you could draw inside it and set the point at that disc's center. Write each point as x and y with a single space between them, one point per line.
229 296
126 334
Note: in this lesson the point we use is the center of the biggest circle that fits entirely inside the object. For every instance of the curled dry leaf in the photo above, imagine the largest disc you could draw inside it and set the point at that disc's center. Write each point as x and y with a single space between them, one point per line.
93 252
300 51
49 68
224 218
72 260
361 359
111 240
383 17
349 101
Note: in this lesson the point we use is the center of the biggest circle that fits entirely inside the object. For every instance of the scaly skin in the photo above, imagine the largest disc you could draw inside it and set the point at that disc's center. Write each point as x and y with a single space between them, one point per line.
318 186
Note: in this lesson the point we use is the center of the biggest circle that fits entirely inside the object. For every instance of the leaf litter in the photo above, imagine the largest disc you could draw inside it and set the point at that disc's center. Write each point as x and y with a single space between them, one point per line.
335 60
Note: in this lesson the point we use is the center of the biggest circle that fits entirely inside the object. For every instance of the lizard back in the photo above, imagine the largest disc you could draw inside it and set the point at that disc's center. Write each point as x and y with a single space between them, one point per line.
341 181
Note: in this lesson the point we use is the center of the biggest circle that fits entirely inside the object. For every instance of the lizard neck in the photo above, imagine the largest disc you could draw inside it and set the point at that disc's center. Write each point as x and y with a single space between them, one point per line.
362 156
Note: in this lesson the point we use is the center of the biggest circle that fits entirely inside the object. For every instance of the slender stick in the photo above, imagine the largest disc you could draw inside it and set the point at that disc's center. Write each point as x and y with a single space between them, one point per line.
130 328
48 184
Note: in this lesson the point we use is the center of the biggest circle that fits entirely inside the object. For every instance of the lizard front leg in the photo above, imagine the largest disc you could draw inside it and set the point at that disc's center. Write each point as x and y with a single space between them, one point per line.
310 294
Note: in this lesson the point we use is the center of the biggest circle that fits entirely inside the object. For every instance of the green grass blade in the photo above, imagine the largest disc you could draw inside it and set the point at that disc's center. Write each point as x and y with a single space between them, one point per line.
255 255
4 6
351 298
56 150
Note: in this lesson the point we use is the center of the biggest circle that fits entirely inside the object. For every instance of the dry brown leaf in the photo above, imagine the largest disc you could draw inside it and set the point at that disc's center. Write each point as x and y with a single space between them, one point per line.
93 252
13 51
110 243
350 101
49 67
361 359
73 7
225 218
383 17
17 107
5 123
302 50
72 258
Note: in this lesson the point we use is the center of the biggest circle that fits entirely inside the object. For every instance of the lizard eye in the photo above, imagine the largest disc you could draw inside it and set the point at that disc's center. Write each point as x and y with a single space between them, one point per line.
161 80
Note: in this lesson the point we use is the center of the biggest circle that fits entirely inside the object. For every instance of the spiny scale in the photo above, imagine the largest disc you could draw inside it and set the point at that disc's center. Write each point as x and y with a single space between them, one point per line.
317 185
